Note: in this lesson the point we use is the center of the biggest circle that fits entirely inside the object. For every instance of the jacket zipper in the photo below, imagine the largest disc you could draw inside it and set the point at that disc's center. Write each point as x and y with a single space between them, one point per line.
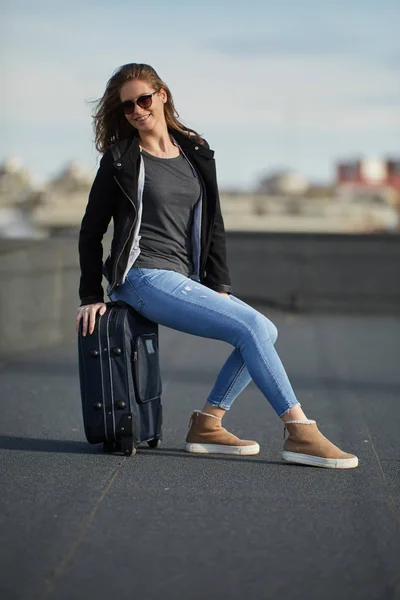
129 235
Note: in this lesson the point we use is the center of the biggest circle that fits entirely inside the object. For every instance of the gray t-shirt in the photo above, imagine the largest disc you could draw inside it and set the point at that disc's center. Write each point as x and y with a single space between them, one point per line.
170 192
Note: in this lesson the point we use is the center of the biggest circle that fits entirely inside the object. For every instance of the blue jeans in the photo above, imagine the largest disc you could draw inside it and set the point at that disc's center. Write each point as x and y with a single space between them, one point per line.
173 300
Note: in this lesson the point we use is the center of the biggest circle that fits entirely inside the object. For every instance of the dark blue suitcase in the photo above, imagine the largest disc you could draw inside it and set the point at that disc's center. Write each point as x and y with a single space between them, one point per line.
120 380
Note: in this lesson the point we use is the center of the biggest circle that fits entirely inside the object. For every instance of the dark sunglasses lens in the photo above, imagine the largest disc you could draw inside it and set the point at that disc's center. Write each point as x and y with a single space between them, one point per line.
128 107
145 101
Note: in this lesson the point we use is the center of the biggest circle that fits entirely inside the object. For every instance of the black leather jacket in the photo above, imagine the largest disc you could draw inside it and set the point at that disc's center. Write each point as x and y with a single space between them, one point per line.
114 195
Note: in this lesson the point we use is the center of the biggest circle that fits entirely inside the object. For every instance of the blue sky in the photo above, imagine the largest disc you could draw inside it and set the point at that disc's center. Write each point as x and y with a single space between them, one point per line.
295 84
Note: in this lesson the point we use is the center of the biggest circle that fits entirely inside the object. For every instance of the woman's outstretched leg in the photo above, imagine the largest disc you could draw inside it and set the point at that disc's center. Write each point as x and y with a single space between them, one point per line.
234 375
169 298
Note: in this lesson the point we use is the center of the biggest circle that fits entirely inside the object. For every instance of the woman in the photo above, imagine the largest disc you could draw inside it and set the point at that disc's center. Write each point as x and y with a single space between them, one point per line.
168 259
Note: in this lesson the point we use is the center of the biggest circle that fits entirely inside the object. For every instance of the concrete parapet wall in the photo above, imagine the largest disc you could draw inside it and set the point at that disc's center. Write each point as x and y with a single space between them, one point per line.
39 279
355 273
38 295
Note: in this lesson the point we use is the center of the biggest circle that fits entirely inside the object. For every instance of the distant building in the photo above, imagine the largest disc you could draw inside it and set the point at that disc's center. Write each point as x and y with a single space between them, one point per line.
18 196
62 203
373 178
393 173
283 183
29 210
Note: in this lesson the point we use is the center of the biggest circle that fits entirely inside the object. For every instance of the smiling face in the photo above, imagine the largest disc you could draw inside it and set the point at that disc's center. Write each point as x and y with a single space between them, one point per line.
144 119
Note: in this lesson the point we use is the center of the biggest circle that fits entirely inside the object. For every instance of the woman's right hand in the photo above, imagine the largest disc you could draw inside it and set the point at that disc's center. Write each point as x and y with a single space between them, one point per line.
88 315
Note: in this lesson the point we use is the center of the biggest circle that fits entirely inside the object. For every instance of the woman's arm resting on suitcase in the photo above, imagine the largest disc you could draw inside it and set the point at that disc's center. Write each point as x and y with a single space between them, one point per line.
88 315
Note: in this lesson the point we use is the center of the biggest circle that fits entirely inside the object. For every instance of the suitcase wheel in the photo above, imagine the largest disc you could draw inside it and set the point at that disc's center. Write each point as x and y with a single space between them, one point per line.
127 447
125 431
113 446
154 443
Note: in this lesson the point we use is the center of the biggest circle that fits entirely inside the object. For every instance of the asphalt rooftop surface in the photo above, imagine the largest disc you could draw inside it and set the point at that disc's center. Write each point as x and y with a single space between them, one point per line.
76 523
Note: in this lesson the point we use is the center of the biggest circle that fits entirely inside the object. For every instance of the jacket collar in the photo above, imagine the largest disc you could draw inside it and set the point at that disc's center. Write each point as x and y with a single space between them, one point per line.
129 148
190 144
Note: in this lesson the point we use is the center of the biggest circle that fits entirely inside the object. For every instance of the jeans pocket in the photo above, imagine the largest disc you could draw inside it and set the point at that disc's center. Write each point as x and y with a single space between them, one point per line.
147 274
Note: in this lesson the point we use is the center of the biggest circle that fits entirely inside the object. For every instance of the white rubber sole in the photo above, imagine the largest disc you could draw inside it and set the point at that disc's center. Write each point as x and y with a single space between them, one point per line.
317 461
221 449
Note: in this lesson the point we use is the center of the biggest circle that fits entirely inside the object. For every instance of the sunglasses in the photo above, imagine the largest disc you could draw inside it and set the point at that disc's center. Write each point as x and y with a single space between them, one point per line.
143 101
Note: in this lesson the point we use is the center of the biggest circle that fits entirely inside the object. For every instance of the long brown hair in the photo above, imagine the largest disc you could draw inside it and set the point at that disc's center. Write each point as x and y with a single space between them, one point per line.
109 122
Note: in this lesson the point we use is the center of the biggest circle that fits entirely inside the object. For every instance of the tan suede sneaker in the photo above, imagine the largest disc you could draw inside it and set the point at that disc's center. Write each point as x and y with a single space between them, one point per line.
206 435
307 446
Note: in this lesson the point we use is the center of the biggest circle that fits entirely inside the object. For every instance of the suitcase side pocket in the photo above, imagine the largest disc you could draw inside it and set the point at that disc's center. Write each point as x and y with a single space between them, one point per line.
146 368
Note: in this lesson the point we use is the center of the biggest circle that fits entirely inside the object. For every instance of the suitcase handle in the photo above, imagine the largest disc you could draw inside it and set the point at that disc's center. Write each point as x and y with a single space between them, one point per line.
116 303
